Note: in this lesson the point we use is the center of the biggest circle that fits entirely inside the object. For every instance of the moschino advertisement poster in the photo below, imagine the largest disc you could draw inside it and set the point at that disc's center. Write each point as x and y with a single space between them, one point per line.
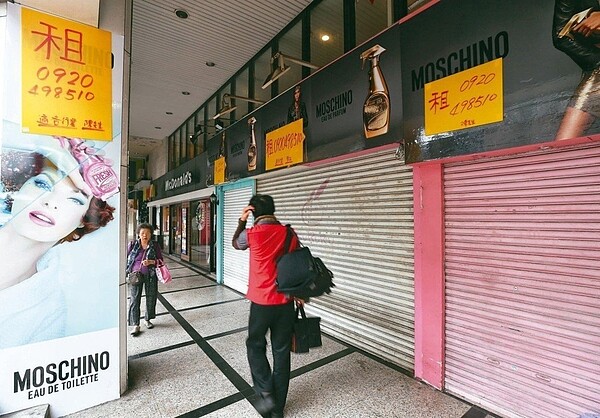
352 105
59 212
453 79
507 74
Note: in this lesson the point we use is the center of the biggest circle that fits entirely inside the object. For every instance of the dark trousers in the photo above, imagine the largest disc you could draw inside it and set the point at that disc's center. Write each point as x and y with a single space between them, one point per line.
135 300
279 319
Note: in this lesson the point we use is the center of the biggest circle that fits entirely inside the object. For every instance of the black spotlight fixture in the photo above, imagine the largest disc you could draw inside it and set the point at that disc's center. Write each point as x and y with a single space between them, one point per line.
182 14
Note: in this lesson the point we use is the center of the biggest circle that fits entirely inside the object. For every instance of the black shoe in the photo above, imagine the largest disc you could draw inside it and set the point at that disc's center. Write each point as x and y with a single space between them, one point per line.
265 403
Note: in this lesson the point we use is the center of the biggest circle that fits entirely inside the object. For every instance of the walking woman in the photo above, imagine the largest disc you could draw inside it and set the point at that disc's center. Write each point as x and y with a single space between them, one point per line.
141 256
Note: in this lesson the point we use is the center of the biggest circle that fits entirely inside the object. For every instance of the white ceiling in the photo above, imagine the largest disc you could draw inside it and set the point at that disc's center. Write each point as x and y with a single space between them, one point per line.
169 55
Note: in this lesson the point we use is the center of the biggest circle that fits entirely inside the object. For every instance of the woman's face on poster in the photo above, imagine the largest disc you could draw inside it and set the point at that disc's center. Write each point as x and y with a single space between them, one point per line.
48 207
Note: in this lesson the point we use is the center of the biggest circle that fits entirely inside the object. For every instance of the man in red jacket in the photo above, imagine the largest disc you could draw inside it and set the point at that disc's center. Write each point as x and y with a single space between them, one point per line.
269 310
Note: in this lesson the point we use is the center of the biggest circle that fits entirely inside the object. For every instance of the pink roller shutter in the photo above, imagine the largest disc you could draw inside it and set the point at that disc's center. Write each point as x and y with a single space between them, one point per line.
522 265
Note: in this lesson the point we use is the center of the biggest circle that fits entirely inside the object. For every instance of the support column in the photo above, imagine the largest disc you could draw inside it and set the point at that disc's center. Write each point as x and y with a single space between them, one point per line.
429 273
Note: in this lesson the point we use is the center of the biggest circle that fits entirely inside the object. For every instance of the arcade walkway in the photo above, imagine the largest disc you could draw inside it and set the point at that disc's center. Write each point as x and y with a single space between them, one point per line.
193 364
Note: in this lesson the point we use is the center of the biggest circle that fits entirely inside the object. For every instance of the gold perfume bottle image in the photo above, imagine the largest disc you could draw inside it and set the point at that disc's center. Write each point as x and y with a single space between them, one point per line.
376 110
252 150
222 146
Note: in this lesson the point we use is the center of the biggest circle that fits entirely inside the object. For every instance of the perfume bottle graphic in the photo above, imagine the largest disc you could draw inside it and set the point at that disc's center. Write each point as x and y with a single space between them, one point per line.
222 146
376 110
96 171
252 150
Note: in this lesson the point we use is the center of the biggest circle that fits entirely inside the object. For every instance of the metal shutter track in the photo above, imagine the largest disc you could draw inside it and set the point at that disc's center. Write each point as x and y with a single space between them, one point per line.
523 283
357 216
235 262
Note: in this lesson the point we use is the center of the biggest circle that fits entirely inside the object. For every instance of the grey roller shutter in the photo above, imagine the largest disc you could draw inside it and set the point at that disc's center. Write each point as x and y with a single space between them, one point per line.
522 265
357 216
235 262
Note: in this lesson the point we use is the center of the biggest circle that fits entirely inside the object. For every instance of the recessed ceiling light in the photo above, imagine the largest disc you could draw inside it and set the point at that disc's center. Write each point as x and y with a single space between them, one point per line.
185 93
157 127
169 113
182 14
325 38
210 64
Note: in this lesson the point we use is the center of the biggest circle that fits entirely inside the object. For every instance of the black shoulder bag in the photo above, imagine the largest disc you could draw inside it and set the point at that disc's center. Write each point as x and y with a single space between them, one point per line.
301 275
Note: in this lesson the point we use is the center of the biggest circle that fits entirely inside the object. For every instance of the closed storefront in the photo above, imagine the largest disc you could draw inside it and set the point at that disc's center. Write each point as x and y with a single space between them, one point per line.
522 268
233 270
357 216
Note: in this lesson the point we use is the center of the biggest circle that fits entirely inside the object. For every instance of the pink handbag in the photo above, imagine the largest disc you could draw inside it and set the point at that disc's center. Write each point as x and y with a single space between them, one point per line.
162 272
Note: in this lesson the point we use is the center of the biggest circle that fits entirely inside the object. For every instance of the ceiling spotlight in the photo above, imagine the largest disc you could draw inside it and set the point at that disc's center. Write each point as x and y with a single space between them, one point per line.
279 67
325 38
169 113
228 107
185 93
182 14
210 64
157 127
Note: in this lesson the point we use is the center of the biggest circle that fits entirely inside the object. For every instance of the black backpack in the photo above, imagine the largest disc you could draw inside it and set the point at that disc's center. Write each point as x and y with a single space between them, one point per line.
301 275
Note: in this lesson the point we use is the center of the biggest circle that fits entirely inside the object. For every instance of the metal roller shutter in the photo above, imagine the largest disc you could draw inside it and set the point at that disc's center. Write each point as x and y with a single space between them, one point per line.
357 216
235 263
523 283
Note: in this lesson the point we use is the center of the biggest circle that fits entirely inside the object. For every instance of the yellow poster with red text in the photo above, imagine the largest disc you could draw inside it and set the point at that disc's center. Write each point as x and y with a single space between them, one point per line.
285 146
219 173
470 98
66 77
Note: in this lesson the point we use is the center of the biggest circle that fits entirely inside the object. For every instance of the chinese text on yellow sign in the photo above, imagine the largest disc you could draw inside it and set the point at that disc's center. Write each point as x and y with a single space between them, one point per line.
470 98
219 170
67 77
285 146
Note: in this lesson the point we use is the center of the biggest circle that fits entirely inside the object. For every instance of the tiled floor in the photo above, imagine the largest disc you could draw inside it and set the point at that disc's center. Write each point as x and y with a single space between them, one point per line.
193 363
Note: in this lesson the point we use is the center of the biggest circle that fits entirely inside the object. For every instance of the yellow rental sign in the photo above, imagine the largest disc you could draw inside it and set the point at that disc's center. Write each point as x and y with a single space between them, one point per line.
67 77
220 170
285 146
470 98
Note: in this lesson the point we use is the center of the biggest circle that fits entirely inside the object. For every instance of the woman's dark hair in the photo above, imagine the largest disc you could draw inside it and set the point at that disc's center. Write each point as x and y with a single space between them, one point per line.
263 205
98 215
144 225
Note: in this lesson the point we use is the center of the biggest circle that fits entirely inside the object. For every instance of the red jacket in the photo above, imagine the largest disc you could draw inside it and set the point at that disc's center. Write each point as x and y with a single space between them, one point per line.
265 240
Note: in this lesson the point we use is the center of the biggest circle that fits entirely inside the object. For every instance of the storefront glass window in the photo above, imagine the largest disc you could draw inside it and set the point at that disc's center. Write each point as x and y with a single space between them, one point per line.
166 229
176 229
176 149
327 19
188 138
291 44
371 18
200 233
211 108
262 68
241 89
228 118
171 152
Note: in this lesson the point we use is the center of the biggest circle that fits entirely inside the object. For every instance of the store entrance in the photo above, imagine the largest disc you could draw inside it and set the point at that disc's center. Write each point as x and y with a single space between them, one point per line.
200 234
175 230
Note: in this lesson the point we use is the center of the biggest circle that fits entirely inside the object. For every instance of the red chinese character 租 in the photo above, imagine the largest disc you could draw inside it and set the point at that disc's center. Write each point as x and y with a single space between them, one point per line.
438 101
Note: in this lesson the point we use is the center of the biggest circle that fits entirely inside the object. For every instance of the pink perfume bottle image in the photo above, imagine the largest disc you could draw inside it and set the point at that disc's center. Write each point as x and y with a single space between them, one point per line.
96 172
